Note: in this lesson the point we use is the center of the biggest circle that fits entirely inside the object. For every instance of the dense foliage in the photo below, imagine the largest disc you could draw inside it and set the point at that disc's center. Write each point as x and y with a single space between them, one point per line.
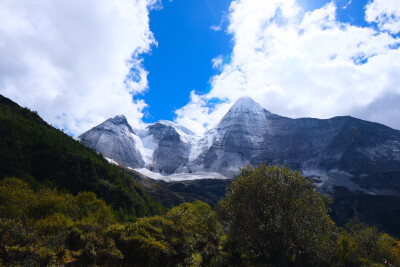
187 235
50 228
39 228
38 153
267 225
360 245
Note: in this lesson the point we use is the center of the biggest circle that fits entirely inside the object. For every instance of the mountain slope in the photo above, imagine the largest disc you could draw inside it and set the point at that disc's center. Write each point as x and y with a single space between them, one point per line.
32 150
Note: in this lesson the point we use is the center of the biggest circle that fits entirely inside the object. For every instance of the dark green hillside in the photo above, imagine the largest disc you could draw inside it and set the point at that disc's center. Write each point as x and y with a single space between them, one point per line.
40 154
380 211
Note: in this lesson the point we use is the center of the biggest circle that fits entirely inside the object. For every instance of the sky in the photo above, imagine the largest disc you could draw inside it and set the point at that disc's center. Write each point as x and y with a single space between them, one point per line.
80 62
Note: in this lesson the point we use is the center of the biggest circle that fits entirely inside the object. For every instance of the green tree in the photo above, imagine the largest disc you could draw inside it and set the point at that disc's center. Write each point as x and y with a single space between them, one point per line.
345 249
38 228
274 216
93 210
146 242
16 199
368 246
187 235
199 230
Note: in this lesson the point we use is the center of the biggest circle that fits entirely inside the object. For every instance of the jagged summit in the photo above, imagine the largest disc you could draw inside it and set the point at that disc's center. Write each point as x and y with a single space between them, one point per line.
119 120
246 105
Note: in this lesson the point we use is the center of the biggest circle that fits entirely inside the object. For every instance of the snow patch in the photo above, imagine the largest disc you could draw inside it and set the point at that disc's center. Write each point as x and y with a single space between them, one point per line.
181 176
332 178
111 161
202 144
146 146
247 105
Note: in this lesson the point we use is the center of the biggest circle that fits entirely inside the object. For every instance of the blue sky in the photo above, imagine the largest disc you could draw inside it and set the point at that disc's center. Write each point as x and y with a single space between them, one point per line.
80 62
182 61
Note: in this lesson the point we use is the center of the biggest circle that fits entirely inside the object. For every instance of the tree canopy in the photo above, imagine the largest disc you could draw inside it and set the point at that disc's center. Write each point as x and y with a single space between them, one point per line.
275 216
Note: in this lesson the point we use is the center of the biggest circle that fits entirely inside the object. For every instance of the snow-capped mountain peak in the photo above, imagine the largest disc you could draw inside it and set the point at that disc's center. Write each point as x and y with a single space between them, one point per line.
116 140
246 105
118 123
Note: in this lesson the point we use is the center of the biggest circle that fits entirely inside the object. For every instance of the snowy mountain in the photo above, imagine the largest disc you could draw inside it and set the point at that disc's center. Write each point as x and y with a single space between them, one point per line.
234 141
342 151
116 140
338 152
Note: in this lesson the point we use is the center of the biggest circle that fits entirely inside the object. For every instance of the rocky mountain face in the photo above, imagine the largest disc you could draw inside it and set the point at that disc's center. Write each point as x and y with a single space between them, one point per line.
339 152
170 144
237 138
116 140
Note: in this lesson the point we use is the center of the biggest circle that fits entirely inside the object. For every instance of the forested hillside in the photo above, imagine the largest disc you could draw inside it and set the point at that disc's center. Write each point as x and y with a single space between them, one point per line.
36 152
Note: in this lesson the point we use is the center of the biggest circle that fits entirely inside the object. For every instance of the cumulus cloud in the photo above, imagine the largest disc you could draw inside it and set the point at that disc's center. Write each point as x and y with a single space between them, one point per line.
307 64
386 13
76 62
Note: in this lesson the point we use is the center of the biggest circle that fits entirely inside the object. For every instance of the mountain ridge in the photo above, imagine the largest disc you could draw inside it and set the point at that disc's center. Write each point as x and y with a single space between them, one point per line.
340 151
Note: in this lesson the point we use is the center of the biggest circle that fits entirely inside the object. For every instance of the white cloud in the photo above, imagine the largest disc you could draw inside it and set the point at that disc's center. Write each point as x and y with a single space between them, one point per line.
386 13
198 115
220 26
217 62
216 28
70 60
305 64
